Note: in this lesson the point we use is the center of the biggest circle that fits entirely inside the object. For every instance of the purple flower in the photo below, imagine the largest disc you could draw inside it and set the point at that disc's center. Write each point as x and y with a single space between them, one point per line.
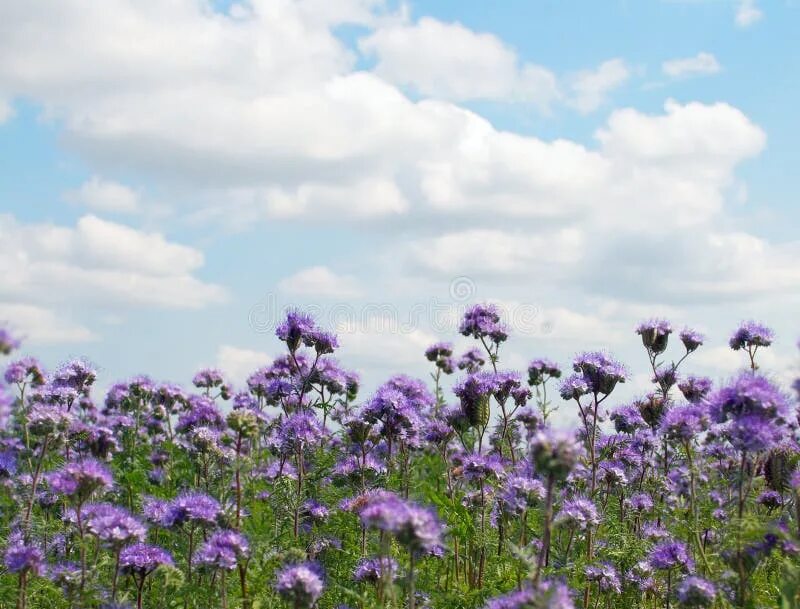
323 342
579 513
296 329
298 431
573 387
300 585
640 502
22 370
223 550
756 412
22 557
472 361
695 592
519 493
79 479
605 576
483 321
627 419
113 525
555 452
208 378
600 372
142 559
770 499
194 508
474 392
415 527
315 510
671 555
545 595
751 334
695 388
8 342
478 467
684 422
691 339
438 351
373 570
541 370
655 334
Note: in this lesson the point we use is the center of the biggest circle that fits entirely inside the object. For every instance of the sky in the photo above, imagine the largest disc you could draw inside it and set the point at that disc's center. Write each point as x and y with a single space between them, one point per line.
176 173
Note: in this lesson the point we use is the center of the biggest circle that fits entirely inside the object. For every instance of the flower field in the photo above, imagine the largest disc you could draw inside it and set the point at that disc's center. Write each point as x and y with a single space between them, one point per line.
457 491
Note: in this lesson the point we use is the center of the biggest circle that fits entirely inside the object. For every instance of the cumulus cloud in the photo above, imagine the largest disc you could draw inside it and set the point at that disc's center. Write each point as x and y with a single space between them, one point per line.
748 13
100 262
238 363
42 325
701 64
450 61
320 282
590 88
105 196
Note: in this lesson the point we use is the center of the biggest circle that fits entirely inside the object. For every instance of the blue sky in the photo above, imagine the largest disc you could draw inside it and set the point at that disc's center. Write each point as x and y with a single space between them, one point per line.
170 169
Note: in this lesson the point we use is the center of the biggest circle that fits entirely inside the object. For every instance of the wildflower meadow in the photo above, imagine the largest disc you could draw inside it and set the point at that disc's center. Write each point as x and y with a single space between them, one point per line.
460 490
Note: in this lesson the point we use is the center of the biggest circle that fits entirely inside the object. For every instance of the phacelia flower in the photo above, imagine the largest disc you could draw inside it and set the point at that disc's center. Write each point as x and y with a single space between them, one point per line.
301 585
751 334
694 592
223 550
655 334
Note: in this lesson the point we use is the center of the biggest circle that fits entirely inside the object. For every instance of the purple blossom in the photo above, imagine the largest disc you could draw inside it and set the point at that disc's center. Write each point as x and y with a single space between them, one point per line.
23 370
671 554
683 423
751 334
627 419
545 595
482 321
555 452
437 350
541 370
373 570
79 479
573 387
300 585
605 576
193 508
579 513
113 525
694 592
601 372
22 557
223 550
655 334
142 559
472 361
8 342
415 527
208 378
296 329
695 388
691 339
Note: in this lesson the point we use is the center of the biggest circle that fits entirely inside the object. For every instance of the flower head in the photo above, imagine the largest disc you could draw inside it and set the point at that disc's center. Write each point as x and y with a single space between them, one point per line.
142 559
751 334
694 592
223 550
301 584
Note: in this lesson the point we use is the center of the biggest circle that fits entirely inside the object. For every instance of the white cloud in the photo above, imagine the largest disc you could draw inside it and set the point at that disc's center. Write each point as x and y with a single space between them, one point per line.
238 363
450 61
42 325
590 88
748 13
702 63
6 110
105 195
497 252
100 262
321 282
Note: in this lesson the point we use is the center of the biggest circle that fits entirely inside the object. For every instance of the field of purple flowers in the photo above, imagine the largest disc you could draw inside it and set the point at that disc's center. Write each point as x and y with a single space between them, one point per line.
297 492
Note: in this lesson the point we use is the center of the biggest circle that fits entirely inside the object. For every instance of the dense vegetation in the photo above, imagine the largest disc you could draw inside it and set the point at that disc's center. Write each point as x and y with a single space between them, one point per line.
296 492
